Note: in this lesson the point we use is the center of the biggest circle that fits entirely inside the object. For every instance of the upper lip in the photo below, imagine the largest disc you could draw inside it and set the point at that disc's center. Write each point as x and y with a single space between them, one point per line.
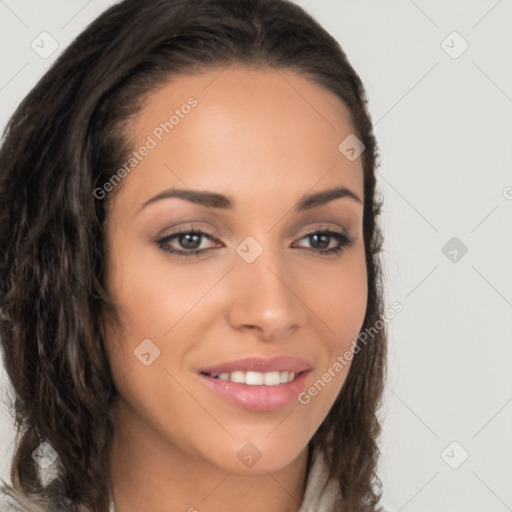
260 364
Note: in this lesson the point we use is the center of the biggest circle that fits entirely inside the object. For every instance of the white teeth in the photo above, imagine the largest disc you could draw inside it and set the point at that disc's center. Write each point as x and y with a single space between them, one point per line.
271 378
257 378
254 378
237 377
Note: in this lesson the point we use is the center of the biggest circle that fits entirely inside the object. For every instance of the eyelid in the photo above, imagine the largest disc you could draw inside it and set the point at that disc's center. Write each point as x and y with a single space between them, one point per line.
190 226
215 234
323 226
339 234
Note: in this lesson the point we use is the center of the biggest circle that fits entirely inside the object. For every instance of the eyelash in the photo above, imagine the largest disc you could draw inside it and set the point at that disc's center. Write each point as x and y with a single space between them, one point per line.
342 238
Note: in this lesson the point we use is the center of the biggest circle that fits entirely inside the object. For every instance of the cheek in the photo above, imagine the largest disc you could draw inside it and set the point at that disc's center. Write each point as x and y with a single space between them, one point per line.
158 302
340 298
152 295
341 305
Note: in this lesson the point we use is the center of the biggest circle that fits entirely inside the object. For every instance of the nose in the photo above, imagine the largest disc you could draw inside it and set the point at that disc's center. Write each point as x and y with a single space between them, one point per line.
266 298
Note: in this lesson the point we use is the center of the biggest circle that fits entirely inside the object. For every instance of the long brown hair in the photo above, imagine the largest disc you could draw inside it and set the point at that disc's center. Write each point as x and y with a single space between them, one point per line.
64 140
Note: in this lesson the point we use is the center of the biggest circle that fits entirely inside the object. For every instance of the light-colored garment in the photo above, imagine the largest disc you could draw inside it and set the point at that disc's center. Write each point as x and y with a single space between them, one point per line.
320 495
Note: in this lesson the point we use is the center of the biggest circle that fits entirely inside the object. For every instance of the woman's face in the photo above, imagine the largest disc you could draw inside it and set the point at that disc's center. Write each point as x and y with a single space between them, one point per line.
212 333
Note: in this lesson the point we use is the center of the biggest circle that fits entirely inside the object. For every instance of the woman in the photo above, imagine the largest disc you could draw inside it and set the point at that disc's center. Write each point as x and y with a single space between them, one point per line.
190 267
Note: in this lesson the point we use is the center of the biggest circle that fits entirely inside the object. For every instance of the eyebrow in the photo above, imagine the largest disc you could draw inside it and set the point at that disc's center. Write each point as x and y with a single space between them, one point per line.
215 200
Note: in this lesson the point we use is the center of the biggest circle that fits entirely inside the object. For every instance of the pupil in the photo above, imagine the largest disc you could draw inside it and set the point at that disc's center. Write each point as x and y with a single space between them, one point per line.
189 242
323 239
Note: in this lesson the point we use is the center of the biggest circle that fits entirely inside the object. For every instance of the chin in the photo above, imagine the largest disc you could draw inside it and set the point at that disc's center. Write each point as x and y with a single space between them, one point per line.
256 454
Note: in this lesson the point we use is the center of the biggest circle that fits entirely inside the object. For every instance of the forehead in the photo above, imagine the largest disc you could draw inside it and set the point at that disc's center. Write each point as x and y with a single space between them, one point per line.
258 127
238 94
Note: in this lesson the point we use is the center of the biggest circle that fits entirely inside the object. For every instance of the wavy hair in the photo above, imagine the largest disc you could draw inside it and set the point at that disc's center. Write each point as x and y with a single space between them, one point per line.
66 137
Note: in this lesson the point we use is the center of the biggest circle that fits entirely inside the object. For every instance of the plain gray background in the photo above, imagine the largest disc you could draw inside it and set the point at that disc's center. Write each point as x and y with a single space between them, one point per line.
438 75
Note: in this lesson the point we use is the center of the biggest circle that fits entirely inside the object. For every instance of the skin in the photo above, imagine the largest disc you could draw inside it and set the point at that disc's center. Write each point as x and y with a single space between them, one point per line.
265 139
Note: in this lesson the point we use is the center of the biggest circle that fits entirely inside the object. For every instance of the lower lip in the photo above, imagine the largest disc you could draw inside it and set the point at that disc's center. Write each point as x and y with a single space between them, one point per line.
258 398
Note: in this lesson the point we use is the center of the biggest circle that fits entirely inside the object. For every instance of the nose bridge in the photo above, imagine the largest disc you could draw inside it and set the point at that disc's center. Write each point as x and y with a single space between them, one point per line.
264 295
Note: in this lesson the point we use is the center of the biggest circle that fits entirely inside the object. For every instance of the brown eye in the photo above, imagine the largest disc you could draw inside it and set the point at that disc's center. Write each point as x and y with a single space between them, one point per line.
188 243
321 240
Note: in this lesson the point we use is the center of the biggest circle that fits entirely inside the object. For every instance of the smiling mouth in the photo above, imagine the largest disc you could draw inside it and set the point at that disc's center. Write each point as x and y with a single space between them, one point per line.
257 391
251 378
